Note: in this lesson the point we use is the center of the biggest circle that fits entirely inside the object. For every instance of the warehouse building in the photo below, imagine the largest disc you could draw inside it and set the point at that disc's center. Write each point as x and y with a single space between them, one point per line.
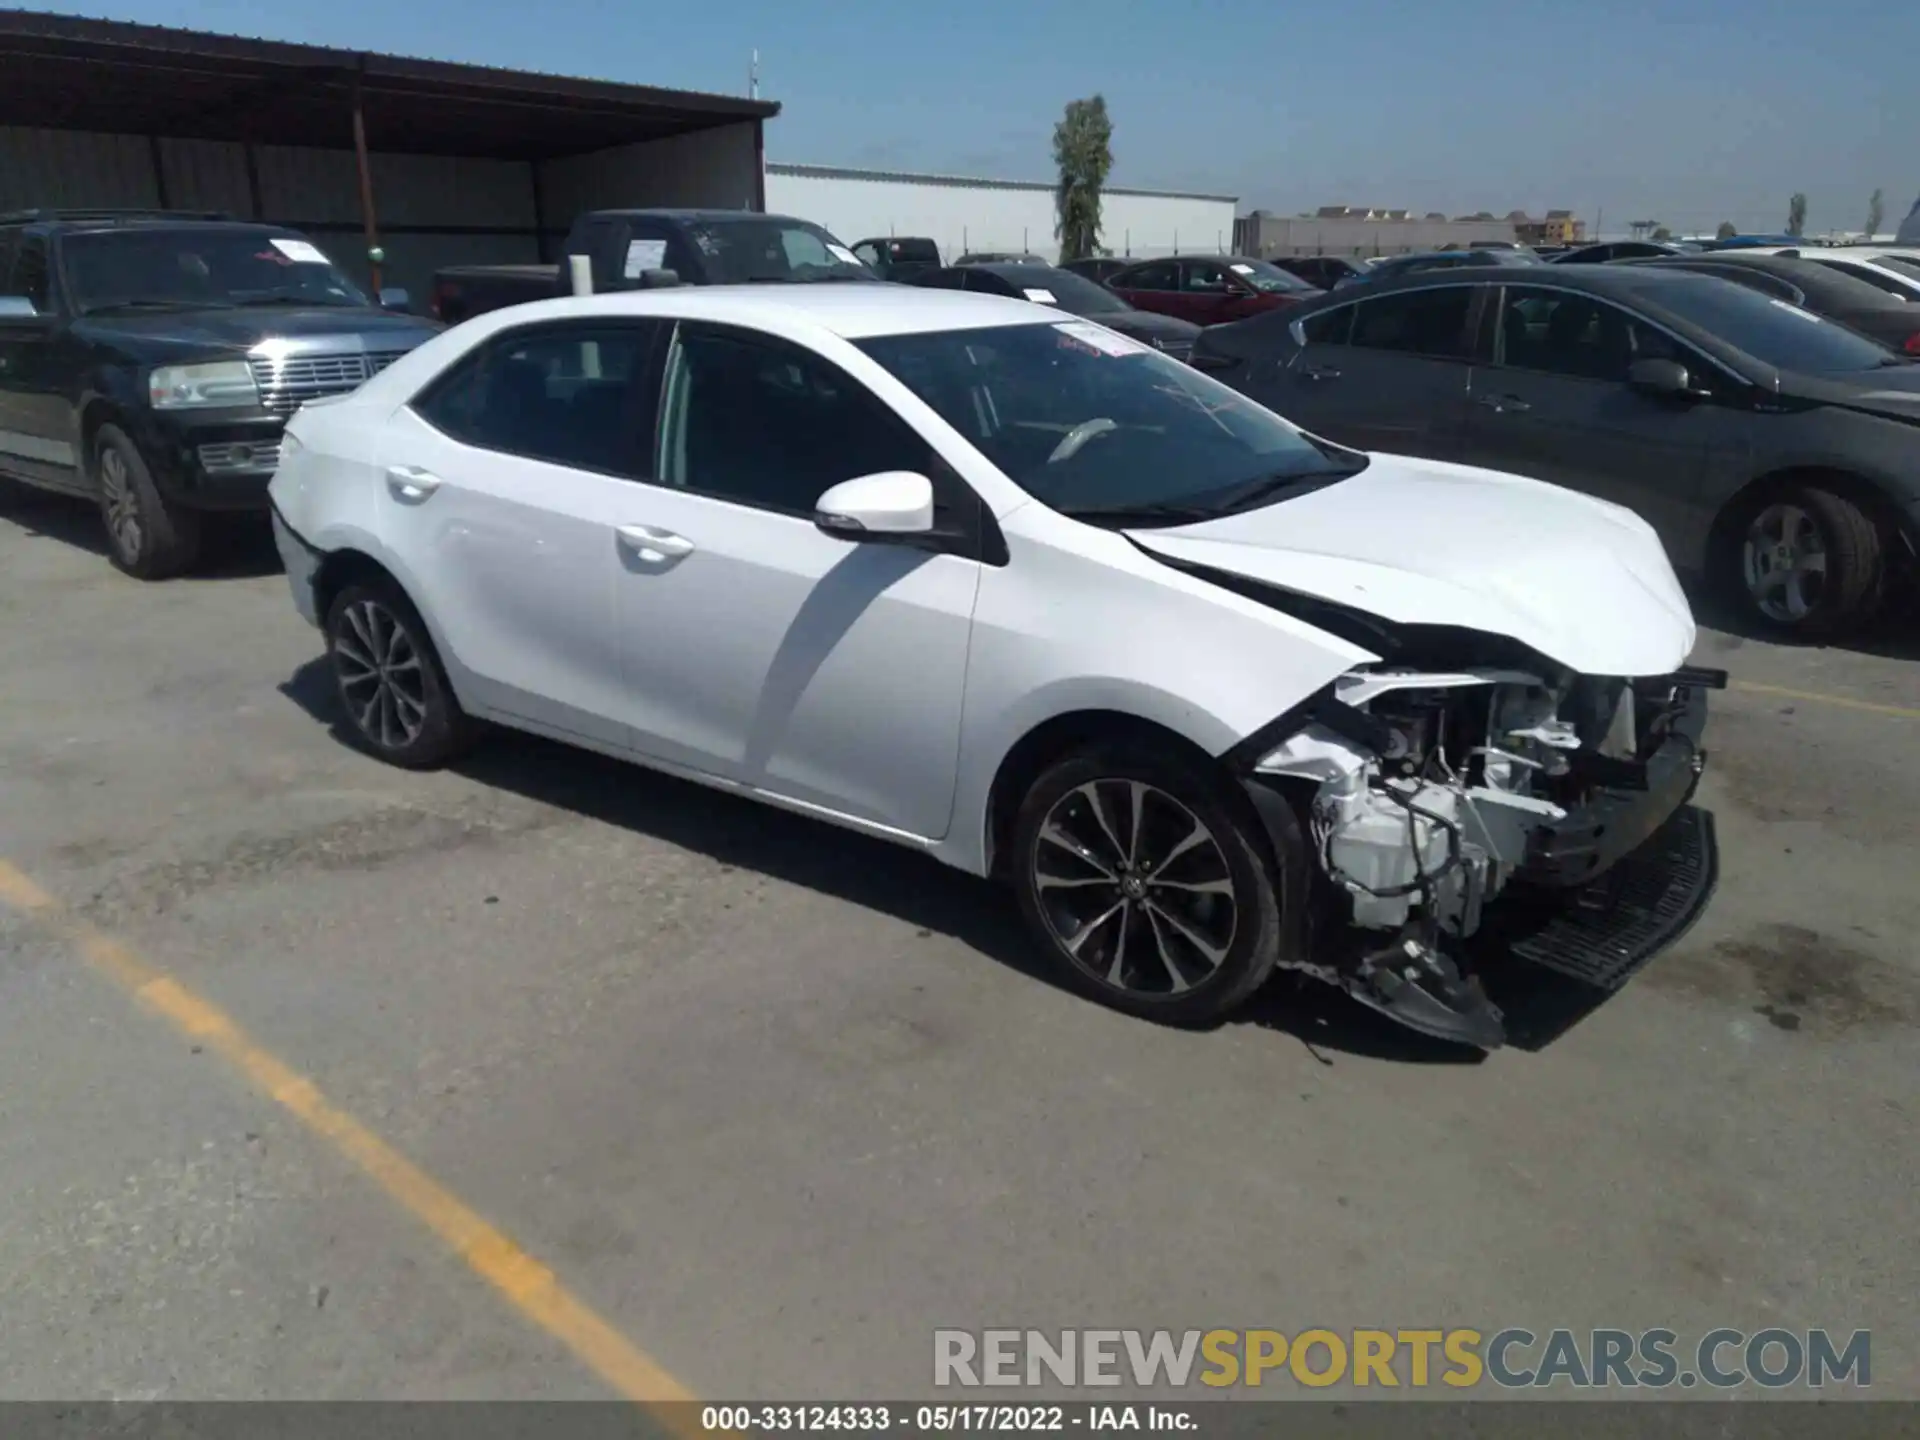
962 213
1356 231
428 162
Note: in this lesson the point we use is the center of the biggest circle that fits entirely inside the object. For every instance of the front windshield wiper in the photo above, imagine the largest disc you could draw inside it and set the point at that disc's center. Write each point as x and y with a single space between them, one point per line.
108 305
1154 513
312 300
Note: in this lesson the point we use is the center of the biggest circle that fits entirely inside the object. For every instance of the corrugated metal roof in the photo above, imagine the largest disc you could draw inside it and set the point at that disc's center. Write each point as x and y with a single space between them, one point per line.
74 73
968 182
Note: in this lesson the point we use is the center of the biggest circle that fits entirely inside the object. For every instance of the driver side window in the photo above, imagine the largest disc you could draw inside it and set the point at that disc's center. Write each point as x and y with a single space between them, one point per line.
771 425
1205 277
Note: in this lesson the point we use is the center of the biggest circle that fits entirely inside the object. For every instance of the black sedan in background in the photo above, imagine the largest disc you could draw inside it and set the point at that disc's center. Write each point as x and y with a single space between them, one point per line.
1874 312
1392 267
1098 267
1771 450
1323 272
1077 295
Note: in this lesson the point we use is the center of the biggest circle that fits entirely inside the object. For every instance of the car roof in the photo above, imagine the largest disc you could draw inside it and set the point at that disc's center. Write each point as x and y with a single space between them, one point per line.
850 310
1009 270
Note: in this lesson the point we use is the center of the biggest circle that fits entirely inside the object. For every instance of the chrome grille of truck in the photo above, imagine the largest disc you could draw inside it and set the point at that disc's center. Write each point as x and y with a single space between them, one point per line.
287 383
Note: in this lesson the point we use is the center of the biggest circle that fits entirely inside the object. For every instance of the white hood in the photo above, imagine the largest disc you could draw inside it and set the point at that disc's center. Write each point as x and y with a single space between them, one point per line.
1581 581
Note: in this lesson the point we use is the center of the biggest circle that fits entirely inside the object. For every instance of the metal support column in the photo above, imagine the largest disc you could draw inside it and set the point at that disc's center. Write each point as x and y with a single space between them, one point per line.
367 216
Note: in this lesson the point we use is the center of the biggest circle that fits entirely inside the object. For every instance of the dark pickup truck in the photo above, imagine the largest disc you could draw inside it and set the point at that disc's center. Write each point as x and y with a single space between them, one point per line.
638 249
149 361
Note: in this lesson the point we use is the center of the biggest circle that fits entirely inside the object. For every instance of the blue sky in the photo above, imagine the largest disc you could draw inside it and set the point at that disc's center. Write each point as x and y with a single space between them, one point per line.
1688 111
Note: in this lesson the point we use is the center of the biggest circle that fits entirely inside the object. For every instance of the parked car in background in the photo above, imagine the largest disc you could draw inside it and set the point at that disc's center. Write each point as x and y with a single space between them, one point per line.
999 257
1834 294
1209 289
643 249
1391 267
1323 272
1894 271
149 361
1101 268
1212 696
1607 250
898 257
1771 449
1075 294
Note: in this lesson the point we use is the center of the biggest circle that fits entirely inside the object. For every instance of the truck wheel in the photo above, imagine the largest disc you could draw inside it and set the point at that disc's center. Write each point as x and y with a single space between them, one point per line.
1151 888
1810 562
146 537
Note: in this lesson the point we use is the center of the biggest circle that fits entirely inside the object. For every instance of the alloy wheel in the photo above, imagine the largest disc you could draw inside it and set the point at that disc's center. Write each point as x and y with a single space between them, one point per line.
381 674
1784 560
120 504
1135 888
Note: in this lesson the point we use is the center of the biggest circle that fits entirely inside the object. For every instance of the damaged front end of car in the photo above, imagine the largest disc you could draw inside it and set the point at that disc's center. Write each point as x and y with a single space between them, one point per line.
1434 793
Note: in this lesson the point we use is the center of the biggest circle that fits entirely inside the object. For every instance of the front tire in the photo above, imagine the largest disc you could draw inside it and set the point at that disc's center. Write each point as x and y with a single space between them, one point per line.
1809 561
391 684
146 537
1149 882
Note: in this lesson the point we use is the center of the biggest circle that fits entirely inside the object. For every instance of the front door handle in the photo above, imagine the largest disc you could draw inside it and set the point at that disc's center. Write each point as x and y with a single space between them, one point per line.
409 484
1320 372
1504 404
652 544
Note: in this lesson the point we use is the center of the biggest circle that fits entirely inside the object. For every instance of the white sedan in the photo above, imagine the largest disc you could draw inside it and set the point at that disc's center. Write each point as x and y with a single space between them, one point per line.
977 577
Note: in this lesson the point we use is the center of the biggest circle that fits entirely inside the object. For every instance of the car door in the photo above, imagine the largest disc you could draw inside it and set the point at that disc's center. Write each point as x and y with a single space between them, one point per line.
762 650
1391 373
503 487
1153 286
36 405
1209 293
1555 405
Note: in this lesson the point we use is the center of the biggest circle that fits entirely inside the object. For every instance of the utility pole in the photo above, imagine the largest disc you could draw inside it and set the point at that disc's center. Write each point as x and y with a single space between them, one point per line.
753 77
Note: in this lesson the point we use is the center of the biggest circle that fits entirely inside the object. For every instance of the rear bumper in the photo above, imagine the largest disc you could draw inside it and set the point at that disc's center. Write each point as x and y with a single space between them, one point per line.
303 565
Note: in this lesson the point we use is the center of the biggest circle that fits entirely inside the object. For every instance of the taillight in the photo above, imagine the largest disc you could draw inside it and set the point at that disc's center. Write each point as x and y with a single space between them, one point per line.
1912 347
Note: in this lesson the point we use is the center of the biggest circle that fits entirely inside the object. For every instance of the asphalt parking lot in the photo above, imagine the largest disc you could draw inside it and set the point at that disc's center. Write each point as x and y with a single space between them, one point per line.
775 1103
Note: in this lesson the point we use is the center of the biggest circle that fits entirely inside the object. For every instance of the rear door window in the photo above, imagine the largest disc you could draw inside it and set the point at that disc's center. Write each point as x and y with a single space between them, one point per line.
1432 323
1161 275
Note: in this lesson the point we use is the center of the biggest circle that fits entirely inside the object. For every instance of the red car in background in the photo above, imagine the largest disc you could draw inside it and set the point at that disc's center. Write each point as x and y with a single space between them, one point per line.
1209 289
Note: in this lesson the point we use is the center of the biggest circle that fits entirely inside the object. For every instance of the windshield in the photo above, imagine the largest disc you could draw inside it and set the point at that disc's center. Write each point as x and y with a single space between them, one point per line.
1772 331
1267 277
1101 427
1073 293
196 268
1904 264
760 248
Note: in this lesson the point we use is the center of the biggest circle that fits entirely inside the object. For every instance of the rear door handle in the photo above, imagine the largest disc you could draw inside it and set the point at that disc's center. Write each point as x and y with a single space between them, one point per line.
652 544
1504 404
1320 372
409 484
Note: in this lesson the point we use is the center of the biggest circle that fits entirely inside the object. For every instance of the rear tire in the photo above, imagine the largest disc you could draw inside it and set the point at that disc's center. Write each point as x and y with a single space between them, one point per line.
1807 561
146 537
1149 882
392 686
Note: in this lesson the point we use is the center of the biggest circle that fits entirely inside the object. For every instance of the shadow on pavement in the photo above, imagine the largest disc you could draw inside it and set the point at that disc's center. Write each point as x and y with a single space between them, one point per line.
238 546
1893 634
922 892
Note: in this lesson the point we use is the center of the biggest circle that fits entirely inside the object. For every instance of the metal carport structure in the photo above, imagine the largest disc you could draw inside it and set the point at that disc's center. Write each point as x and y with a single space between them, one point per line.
431 161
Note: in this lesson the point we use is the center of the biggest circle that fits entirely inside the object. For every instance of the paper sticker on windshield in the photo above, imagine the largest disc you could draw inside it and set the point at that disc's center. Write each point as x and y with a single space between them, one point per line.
1040 297
1793 309
1101 340
844 255
642 256
1241 269
301 252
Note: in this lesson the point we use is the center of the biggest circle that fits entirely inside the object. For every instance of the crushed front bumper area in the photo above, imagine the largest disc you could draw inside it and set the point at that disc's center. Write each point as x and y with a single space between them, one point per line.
1433 866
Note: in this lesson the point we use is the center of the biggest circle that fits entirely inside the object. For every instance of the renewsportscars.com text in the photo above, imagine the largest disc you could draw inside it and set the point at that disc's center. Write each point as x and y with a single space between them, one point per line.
1458 1359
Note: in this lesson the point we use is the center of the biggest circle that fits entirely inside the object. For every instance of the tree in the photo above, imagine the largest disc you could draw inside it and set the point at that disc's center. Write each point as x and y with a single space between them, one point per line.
1876 212
1661 232
1083 149
1797 214
1726 231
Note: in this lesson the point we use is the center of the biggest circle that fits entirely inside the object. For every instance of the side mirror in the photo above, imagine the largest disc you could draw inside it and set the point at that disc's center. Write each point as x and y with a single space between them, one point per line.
1667 379
657 280
889 505
395 298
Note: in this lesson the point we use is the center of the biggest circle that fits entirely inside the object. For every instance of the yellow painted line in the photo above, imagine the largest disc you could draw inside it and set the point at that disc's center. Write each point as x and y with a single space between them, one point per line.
1845 702
526 1284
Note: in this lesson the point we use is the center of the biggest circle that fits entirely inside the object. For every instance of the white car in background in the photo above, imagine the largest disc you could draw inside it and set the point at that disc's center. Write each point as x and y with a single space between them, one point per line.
983 579
1887 268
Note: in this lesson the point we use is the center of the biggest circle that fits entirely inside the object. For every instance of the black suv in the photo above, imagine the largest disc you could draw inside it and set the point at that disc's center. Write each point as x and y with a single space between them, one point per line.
149 361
